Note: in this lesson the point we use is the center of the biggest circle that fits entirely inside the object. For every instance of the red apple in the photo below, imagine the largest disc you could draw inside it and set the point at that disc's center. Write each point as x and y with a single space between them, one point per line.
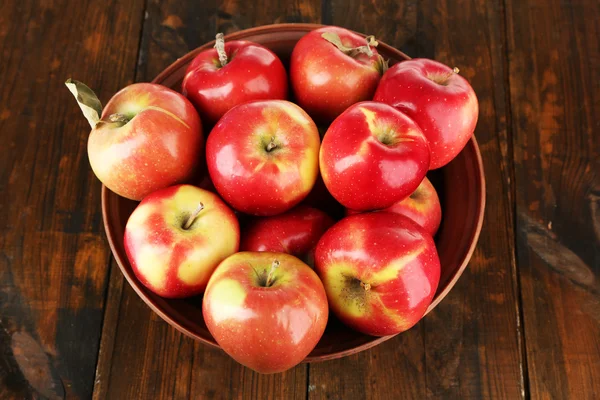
373 156
263 156
149 137
422 206
177 236
438 99
380 271
332 68
266 310
295 232
233 73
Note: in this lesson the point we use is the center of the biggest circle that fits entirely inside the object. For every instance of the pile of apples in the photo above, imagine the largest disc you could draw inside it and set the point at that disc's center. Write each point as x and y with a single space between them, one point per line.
268 287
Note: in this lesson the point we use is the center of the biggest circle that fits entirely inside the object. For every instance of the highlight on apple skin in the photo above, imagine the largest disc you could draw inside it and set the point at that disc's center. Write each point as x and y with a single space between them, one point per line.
380 271
177 236
266 310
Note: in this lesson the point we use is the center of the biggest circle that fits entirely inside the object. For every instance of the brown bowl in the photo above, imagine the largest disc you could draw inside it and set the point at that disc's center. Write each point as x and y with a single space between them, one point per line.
460 184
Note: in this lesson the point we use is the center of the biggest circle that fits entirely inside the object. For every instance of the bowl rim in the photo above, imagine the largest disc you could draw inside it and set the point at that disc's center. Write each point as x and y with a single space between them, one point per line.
136 284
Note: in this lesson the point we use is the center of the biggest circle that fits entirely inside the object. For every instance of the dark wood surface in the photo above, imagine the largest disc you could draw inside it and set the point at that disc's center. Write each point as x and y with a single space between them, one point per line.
524 319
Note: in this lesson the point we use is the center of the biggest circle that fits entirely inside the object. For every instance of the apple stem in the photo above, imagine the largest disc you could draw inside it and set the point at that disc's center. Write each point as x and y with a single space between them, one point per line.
271 144
449 74
366 286
220 46
193 216
274 266
120 118
353 52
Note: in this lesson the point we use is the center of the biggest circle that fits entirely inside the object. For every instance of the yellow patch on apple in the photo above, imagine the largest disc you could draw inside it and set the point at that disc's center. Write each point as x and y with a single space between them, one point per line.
391 271
227 299
149 268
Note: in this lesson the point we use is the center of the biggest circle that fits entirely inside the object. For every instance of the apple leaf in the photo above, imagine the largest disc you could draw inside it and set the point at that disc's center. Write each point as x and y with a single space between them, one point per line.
353 52
88 101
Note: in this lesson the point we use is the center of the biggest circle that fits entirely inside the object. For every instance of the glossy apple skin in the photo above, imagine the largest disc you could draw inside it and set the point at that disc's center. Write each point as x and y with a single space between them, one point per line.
161 145
422 206
295 232
252 73
393 255
326 81
252 179
268 329
169 260
373 156
447 113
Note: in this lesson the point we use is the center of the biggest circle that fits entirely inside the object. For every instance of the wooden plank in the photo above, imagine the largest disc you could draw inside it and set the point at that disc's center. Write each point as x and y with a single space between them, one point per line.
53 255
554 53
468 347
141 356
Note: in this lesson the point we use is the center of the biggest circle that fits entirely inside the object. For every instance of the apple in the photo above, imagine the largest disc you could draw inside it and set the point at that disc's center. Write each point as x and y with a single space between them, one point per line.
422 206
263 156
438 99
373 156
177 236
295 232
147 137
233 73
266 310
332 68
380 271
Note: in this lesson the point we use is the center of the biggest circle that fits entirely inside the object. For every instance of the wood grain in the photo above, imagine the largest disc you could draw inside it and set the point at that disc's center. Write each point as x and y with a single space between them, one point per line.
468 347
553 55
141 356
53 255
534 65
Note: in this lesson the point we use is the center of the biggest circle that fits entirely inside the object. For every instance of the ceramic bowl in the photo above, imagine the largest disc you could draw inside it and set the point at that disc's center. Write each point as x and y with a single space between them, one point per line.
460 185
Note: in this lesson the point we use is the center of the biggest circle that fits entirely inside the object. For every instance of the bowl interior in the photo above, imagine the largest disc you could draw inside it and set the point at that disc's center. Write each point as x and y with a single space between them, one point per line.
460 186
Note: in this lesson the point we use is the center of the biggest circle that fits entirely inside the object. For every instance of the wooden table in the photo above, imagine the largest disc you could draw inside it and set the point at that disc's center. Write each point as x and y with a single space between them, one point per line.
524 319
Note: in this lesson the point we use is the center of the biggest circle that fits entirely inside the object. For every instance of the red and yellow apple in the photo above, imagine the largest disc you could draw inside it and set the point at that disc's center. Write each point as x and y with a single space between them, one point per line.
380 271
295 232
422 206
266 310
177 236
373 156
332 68
438 99
233 73
263 156
149 137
